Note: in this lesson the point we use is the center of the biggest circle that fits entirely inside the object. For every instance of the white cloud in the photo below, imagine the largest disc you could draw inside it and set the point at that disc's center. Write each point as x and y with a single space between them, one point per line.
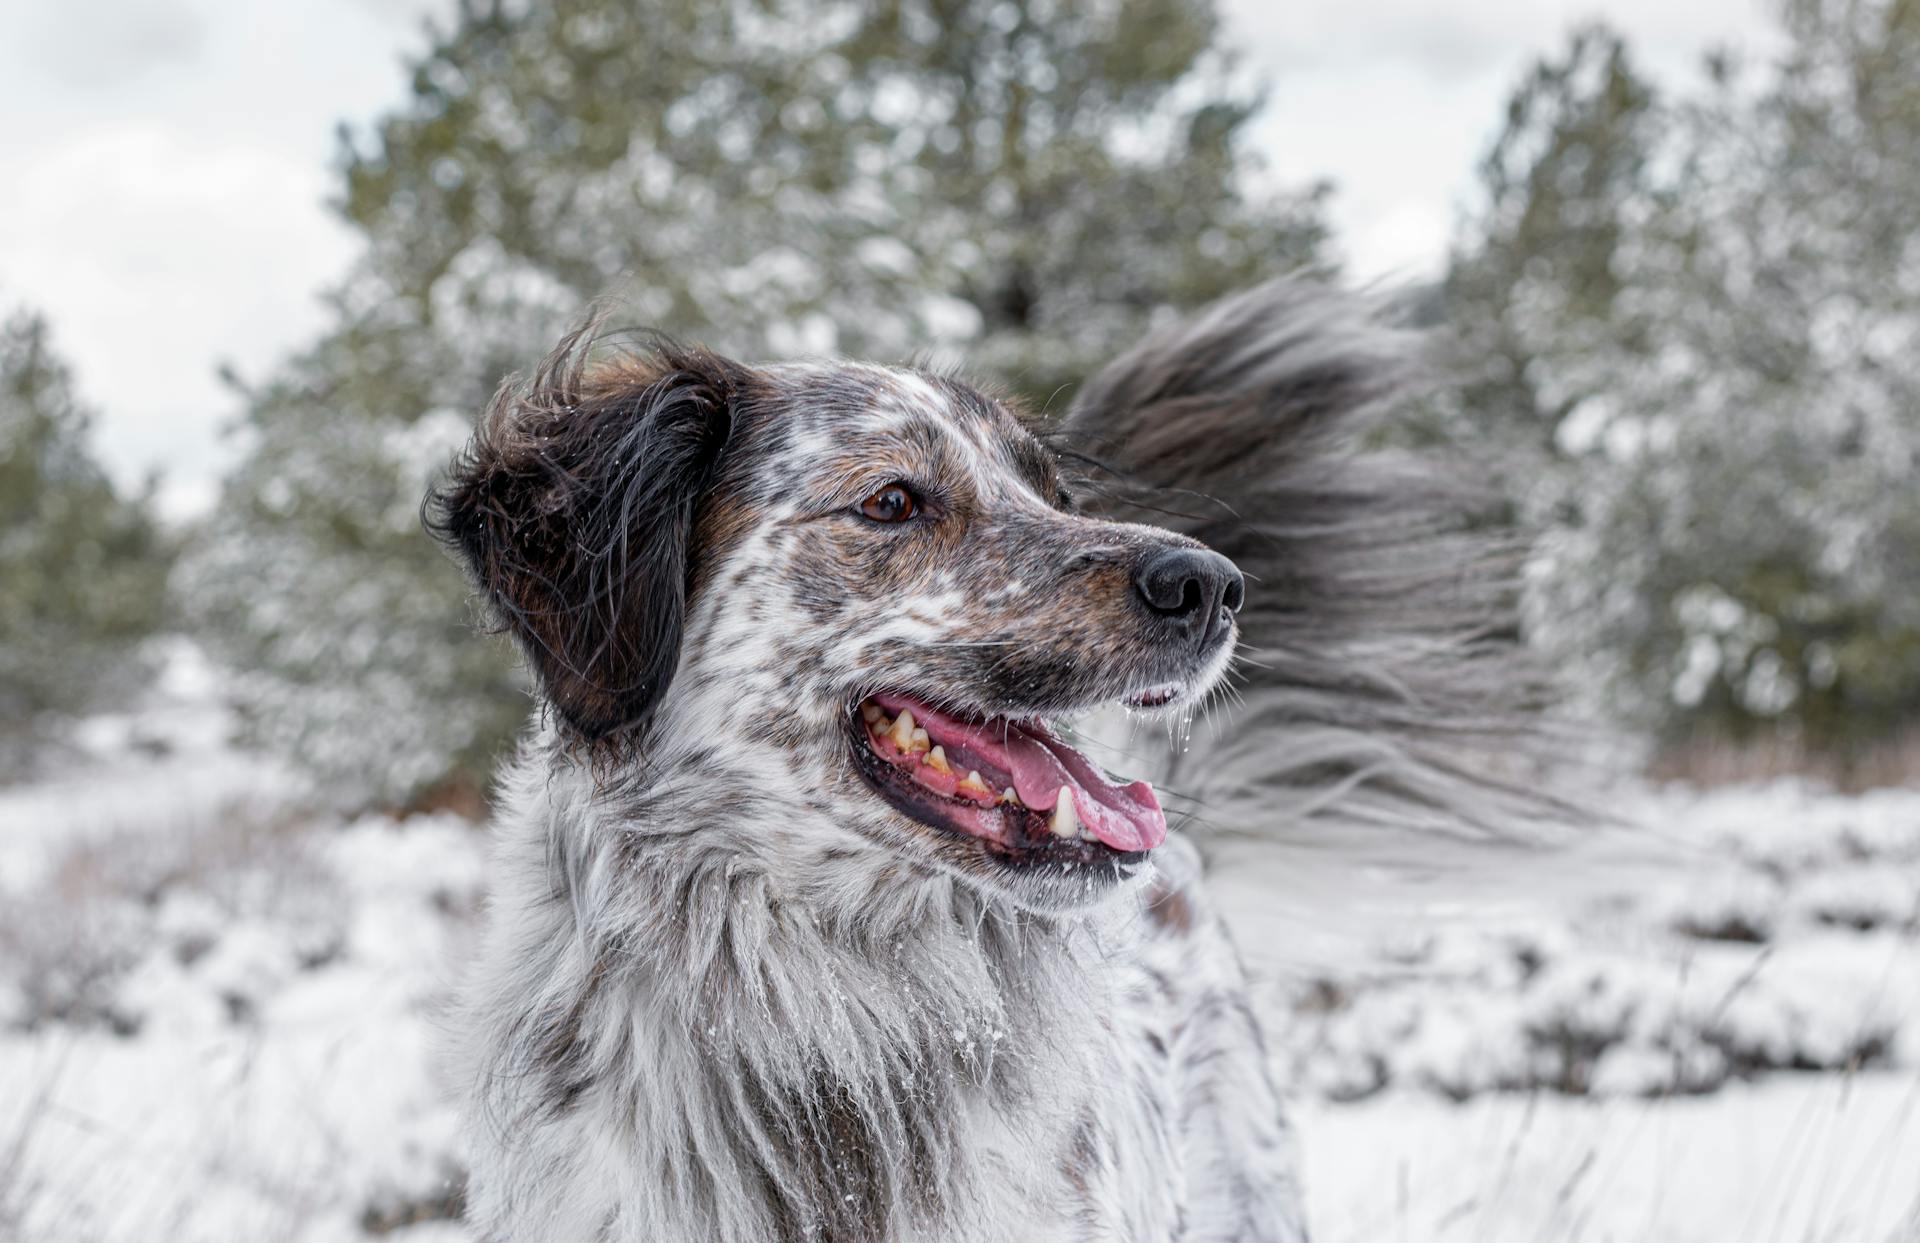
117 47
166 170
158 254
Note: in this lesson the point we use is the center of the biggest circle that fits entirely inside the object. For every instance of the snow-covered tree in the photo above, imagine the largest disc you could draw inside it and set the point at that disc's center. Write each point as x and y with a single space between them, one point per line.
1537 296
1719 335
1026 183
83 569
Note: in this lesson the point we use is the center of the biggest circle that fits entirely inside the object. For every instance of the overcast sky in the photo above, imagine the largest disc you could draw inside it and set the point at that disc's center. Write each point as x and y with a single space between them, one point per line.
165 164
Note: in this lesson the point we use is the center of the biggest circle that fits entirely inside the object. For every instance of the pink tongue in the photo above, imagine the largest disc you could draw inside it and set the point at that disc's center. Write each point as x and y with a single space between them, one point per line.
1124 817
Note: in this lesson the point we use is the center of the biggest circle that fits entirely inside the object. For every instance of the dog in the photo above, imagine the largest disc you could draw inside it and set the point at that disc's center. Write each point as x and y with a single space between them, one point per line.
814 915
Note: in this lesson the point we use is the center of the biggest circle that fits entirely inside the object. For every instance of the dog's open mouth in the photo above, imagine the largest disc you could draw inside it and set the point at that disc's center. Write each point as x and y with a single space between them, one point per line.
1013 784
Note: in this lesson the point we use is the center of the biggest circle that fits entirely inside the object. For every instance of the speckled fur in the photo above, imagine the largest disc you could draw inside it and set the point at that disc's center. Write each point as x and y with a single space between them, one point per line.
728 993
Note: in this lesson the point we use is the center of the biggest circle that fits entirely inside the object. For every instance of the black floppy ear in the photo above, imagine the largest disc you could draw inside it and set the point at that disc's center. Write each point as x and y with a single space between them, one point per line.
574 509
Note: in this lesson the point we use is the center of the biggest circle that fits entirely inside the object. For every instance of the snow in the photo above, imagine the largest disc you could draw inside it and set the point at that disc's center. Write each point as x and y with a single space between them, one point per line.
219 1012
1802 1157
265 1061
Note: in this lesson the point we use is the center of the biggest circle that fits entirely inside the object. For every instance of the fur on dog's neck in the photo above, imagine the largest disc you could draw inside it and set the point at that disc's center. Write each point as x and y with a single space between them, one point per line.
780 1056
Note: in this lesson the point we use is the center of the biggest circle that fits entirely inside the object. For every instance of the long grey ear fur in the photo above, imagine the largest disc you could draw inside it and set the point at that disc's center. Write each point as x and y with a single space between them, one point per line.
1383 680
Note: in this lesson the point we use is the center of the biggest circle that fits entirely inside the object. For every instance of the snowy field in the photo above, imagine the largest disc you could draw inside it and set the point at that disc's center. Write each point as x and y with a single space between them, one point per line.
217 1014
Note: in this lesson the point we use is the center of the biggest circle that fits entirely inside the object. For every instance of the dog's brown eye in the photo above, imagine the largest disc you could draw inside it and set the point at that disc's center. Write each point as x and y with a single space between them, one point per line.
892 503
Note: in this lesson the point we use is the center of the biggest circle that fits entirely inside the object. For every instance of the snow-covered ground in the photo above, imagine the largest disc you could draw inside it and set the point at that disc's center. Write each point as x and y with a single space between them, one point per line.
1797 1158
218 1014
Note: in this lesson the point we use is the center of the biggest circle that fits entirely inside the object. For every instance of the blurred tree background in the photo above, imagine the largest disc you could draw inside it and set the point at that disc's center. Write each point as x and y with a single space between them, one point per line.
83 569
1682 326
1693 326
1032 183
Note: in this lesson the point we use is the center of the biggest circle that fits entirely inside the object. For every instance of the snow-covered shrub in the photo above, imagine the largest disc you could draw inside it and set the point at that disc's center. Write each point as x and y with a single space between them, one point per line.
229 1033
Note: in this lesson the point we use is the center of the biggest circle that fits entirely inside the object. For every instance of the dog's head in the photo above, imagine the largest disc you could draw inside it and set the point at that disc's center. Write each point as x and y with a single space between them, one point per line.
852 602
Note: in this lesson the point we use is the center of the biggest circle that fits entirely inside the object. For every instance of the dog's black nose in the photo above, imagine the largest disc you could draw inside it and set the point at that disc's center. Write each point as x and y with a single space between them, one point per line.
1190 587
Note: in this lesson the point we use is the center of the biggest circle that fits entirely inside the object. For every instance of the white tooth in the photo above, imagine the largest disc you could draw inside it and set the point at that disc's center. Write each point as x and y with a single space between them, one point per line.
902 731
937 760
870 712
1066 819
972 784
1008 796
919 741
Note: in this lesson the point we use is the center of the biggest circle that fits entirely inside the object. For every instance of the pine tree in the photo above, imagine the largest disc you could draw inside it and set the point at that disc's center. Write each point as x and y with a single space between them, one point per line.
1779 513
1709 315
1028 184
83 570
1536 291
